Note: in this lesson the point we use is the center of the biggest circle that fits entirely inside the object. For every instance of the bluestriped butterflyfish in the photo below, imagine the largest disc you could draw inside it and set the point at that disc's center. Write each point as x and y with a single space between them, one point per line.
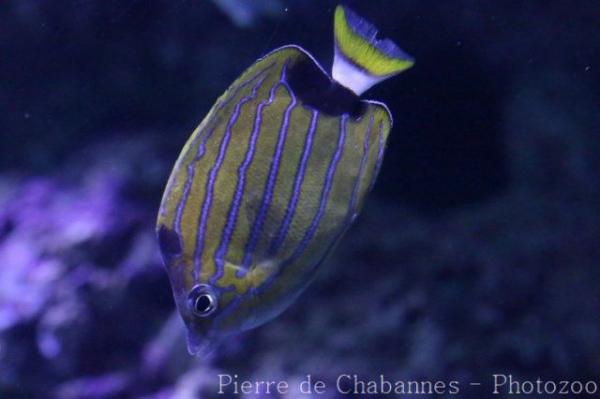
271 179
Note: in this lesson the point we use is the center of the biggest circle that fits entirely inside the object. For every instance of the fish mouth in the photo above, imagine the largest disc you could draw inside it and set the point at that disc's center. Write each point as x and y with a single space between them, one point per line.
201 346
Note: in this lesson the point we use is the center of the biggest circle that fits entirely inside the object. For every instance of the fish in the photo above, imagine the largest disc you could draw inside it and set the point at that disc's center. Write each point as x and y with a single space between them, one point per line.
244 14
271 179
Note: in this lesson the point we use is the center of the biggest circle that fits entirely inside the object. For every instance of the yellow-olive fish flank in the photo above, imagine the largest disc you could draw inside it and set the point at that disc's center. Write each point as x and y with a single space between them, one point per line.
267 184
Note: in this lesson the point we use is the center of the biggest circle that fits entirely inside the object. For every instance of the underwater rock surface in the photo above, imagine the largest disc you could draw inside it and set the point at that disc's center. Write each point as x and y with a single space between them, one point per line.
476 254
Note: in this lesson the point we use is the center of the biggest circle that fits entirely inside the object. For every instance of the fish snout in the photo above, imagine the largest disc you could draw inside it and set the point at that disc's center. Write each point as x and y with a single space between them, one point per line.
200 346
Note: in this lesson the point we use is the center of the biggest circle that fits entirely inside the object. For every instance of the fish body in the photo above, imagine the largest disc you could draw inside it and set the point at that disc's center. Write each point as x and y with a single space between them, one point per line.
269 182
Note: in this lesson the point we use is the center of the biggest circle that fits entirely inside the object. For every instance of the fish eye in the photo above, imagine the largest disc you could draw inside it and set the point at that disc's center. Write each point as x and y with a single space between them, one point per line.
204 304
202 301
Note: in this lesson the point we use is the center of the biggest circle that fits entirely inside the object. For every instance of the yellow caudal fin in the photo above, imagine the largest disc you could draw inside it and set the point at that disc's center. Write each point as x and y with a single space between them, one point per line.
361 60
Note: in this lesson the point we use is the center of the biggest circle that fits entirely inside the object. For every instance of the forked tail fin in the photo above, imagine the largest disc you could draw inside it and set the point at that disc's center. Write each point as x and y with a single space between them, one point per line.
360 59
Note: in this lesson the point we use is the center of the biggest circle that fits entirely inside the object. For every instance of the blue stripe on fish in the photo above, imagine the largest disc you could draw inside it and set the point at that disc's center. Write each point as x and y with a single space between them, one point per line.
191 168
326 189
212 178
291 209
268 192
239 191
205 136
